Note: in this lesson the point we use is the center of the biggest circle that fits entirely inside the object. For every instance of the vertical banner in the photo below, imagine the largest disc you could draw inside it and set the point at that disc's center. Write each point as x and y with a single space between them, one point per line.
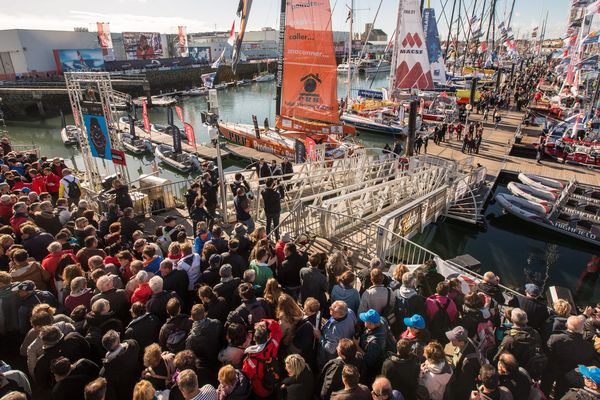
105 41
310 149
434 47
95 122
183 42
145 116
300 152
189 129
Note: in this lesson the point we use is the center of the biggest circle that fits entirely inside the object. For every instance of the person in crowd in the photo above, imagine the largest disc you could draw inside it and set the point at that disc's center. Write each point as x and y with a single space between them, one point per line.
353 390
288 274
466 363
417 334
490 385
71 378
272 206
534 307
144 327
242 209
267 336
174 280
382 387
313 282
159 297
520 340
557 323
512 377
402 369
346 292
204 338
340 325
299 385
441 312
435 373
233 384
378 297
591 385
408 302
330 378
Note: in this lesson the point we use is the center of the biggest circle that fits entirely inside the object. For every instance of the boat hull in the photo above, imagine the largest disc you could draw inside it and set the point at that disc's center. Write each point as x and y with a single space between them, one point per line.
530 193
541 182
67 139
366 124
159 152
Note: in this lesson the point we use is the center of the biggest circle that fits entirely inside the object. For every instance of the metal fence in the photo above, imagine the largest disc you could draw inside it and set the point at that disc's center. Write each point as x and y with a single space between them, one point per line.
26 148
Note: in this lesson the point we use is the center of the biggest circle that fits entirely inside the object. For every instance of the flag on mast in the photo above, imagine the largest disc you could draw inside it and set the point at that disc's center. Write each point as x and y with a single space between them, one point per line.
231 39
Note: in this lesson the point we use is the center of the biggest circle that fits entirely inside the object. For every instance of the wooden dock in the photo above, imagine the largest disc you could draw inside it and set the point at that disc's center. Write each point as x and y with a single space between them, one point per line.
494 153
246 153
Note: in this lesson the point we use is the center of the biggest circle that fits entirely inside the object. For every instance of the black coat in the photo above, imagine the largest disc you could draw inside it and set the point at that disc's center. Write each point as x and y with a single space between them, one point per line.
403 373
177 281
49 222
263 171
567 350
122 372
465 374
491 290
314 284
71 388
37 245
205 340
128 226
72 346
330 378
518 384
536 310
122 198
300 387
271 201
157 304
143 330
521 343
288 274
209 191
227 290
181 322
217 309
119 303
238 263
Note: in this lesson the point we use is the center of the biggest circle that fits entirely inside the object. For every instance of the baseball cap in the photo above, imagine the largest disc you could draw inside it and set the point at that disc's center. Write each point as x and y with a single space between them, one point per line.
25 190
26 286
458 333
371 316
416 321
532 289
592 373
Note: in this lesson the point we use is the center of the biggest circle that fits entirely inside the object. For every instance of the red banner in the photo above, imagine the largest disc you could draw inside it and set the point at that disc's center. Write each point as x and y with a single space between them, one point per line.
182 39
310 149
145 116
179 112
189 131
118 157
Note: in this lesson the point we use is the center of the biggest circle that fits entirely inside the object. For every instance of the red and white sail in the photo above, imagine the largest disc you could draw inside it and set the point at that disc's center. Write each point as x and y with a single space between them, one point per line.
411 69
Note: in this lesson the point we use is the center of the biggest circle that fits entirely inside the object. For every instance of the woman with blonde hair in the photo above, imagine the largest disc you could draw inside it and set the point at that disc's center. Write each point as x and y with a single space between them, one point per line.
272 292
435 371
143 390
336 265
558 320
300 381
288 313
233 384
159 366
397 273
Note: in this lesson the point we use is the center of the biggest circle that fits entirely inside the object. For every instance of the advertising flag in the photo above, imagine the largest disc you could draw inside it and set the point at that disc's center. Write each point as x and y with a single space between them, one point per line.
105 41
182 41
243 12
219 60
411 67
231 39
591 38
311 149
189 129
145 116
179 112
97 130
434 48
209 79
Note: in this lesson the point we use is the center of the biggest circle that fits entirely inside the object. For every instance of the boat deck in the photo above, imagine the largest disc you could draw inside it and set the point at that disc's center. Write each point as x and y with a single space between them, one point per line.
247 153
494 153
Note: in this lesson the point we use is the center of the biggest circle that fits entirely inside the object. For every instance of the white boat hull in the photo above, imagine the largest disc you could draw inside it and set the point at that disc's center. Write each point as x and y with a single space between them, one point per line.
164 154
541 182
531 193
69 139
521 207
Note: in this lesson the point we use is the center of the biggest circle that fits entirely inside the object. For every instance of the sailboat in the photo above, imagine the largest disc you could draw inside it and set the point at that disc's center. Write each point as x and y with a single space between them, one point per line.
307 110
410 71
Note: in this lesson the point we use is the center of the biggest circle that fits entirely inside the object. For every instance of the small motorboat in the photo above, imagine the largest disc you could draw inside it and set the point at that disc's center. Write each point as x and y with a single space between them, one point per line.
265 78
183 162
521 207
70 135
165 129
243 82
195 92
221 86
381 125
541 182
531 193
136 145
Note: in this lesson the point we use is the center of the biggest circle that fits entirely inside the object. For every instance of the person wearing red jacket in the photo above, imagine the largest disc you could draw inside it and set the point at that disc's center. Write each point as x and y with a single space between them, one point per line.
267 336
38 181
50 262
19 217
6 208
52 183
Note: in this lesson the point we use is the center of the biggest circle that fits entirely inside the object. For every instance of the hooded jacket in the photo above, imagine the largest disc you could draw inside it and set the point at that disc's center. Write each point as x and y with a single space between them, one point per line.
258 354
435 377
204 340
241 389
520 342
32 271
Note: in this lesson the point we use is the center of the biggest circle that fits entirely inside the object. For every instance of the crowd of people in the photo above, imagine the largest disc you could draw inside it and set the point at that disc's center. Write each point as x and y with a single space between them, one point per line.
92 307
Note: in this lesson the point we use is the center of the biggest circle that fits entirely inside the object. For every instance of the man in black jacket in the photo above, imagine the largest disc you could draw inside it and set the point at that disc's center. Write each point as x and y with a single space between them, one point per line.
174 280
262 169
288 274
72 346
232 257
117 298
402 369
330 379
72 378
568 349
272 205
521 340
536 309
204 338
490 287
191 194
128 225
144 327
228 285
157 303
120 366
209 191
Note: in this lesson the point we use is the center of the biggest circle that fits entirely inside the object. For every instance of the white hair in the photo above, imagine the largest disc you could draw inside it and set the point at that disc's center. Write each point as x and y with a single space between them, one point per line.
156 284
518 317
141 277
104 283
54 247
78 284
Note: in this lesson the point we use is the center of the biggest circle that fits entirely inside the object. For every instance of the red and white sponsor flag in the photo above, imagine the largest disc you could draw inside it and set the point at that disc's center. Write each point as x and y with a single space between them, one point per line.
231 39
145 116
182 41
189 129
593 8
311 149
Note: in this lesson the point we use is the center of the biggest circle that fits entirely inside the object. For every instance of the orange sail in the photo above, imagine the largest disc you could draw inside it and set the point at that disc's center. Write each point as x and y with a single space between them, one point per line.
309 70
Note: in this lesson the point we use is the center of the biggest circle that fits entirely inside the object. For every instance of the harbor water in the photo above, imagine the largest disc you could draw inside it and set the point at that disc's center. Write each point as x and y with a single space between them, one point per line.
519 253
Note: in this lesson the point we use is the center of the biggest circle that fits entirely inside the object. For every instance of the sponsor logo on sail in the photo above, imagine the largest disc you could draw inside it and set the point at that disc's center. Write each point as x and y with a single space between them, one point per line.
300 36
412 40
306 4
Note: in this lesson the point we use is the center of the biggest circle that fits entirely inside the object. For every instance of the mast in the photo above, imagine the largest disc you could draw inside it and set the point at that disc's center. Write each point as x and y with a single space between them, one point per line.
469 33
449 31
395 51
349 75
280 59
512 8
457 35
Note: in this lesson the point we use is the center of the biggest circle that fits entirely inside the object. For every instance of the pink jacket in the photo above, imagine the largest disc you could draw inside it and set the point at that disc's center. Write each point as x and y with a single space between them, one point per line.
432 307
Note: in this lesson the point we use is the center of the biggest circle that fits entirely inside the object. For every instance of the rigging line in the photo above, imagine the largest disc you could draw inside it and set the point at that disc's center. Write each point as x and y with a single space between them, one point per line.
443 13
449 37
362 51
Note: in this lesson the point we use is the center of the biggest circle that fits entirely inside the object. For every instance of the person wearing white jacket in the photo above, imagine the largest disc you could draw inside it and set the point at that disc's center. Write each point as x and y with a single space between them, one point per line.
435 372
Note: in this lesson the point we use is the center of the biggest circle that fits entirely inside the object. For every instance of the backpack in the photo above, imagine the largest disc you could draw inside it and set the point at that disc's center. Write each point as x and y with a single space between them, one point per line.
479 356
271 372
164 240
440 322
536 366
389 312
74 191
485 341
401 310
176 341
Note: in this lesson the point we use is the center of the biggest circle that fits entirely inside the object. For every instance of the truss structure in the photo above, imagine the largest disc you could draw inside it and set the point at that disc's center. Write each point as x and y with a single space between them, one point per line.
78 85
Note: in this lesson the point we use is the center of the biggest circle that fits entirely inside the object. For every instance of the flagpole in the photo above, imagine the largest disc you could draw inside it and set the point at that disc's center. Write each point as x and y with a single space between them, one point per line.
512 8
469 32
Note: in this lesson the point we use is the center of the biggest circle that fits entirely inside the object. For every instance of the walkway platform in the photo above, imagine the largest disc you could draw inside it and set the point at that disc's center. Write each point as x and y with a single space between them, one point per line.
494 153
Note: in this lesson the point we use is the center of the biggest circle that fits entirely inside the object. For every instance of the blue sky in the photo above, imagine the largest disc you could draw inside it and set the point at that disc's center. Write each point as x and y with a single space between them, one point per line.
202 15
